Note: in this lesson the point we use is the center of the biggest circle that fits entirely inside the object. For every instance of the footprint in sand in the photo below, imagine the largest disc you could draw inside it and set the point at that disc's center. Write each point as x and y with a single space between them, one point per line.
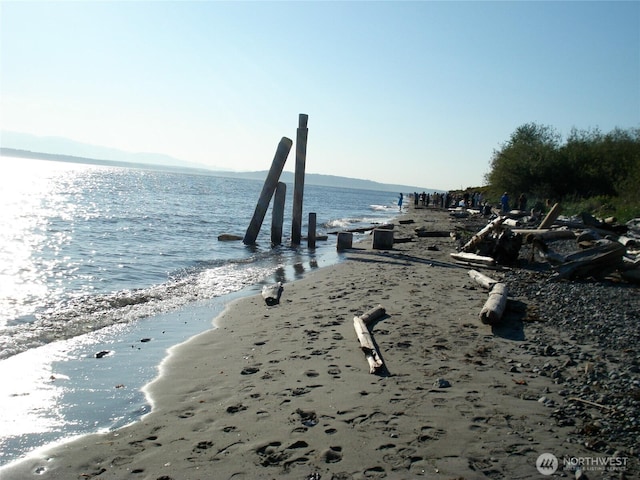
204 445
249 370
332 455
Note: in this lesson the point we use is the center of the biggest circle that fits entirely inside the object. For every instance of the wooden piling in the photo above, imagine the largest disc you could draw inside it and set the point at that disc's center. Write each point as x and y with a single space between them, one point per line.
345 241
311 235
382 239
269 187
278 213
298 187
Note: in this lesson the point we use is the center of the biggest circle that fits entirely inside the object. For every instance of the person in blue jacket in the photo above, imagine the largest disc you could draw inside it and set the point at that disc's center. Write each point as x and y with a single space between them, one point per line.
504 200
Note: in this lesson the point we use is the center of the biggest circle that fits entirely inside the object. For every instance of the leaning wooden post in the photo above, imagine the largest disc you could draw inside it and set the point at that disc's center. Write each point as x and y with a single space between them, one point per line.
311 235
551 217
277 217
298 187
268 188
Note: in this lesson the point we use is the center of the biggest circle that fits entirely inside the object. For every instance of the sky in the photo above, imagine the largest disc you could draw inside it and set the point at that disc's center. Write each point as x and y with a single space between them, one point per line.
416 93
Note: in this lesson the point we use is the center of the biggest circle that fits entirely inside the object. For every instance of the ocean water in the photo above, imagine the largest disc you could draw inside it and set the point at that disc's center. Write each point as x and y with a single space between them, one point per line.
96 258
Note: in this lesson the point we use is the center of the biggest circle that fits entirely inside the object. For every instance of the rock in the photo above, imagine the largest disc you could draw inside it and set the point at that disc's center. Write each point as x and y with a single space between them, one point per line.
442 383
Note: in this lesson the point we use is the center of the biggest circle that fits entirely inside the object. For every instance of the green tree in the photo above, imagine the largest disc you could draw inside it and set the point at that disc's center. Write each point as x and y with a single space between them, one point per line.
525 163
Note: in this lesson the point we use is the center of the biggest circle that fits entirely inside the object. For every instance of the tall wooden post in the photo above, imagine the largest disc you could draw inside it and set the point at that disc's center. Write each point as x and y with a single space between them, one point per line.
277 217
311 235
298 187
268 188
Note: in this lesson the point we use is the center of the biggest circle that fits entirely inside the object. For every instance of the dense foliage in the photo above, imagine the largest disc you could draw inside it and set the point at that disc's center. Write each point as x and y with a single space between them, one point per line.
588 165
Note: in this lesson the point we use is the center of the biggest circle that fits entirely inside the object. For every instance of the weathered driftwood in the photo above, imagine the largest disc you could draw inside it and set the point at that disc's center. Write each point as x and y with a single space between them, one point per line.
472 258
360 324
421 232
545 234
478 237
627 241
272 293
482 280
551 217
403 240
372 315
228 237
495 305
599 261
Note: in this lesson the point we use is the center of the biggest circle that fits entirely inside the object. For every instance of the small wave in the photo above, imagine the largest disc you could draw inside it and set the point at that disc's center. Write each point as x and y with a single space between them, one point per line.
91 313
382 208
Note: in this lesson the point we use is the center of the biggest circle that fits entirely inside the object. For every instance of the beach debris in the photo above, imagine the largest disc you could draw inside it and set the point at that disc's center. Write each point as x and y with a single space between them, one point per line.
361 325
494 244
307 418
474 259
482 280
442 383
597 261
102 353
423 232
495 305
272 293
228 237
492 226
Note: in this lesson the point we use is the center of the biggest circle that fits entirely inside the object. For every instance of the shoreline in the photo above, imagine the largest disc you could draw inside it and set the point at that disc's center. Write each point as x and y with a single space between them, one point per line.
285 391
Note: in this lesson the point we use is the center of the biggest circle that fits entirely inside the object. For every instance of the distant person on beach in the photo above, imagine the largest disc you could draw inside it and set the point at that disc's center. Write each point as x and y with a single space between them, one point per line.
400 202
504 201
522 202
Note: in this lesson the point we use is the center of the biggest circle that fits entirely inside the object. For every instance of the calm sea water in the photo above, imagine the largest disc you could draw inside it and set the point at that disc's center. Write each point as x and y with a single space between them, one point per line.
86 251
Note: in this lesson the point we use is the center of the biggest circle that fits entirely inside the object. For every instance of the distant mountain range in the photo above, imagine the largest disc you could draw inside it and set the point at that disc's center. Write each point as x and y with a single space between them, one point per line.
65 150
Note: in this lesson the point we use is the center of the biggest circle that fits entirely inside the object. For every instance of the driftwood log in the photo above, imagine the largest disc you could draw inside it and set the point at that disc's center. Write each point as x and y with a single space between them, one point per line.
596 261
271 293
422 232
473 259
361 325
544 234
482 280
228 237
478 237
495 305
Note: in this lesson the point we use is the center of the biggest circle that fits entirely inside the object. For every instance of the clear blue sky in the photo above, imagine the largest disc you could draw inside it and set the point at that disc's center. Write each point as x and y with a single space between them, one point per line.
416 93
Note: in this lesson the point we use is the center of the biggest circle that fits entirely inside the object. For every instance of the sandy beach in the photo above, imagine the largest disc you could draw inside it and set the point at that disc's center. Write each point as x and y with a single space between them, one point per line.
284 392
